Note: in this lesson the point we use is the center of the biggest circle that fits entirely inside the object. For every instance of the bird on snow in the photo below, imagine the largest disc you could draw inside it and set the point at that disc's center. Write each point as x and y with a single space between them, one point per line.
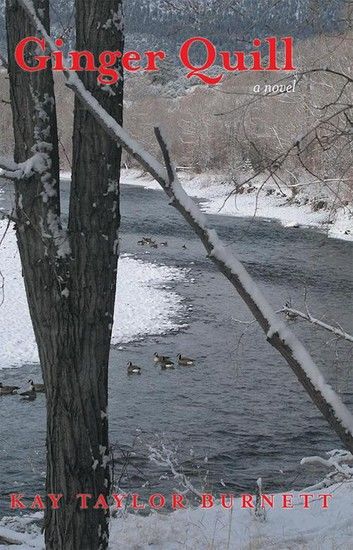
133 369
39 388
8 390
185 361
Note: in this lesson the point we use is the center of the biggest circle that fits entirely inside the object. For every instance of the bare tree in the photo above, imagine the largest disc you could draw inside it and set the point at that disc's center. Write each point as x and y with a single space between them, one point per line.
70 273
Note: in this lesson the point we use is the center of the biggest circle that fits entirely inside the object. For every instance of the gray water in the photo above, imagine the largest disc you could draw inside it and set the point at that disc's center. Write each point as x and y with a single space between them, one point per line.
240 412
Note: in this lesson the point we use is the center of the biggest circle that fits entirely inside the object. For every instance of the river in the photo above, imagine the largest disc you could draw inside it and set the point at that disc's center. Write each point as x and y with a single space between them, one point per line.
239 413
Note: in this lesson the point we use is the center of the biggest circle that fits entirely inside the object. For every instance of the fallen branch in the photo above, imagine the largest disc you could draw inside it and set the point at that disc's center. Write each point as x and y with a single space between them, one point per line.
308 317
277 332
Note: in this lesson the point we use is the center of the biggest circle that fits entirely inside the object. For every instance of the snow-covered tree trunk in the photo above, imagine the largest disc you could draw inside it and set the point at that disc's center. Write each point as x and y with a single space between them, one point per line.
70 275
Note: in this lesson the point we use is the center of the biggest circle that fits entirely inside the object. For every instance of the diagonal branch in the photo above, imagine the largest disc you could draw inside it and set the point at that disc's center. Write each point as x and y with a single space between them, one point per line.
277 332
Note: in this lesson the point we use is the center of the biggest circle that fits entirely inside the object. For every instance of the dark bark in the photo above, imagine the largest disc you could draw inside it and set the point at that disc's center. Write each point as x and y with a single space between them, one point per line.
71 297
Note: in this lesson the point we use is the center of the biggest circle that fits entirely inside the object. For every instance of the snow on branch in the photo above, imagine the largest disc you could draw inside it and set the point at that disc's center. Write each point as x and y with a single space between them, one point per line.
37 164
279 335
340 462
308 317
8 168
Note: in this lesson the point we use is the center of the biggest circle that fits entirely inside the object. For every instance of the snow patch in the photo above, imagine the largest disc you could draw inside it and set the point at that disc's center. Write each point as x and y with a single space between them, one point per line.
142 307
215 194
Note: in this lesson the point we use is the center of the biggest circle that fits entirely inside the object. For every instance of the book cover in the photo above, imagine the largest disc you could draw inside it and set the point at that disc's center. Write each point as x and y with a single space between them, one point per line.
176 274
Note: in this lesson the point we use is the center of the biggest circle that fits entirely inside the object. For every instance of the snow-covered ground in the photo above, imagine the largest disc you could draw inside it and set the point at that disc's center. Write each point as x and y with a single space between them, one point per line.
269 202
197 529
145 304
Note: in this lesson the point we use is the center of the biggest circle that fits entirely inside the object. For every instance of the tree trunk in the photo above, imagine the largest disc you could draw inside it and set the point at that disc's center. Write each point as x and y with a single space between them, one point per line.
70 276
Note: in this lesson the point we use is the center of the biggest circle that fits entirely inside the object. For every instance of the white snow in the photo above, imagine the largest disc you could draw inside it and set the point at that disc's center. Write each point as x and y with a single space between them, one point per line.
209 187
142 307
197 529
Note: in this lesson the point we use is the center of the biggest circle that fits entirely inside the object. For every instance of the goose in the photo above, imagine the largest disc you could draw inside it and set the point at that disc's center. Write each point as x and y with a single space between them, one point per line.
185 361
161 358
8 390
30 394
167 364
39 388
133 369
148 240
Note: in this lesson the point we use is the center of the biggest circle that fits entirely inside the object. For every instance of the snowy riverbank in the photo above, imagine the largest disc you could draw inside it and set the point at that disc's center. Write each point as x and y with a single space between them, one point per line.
311 529
267 202
145 304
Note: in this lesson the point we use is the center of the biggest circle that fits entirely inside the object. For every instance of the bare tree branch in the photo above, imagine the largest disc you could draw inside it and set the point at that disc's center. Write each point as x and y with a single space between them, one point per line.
308 317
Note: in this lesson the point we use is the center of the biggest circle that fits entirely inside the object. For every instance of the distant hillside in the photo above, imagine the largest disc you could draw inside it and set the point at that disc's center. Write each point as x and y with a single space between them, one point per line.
228 23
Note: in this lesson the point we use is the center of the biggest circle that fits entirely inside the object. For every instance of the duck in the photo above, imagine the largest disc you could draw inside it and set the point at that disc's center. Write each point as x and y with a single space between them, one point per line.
133 369
39 388
185 361
30 394
8 390
161 358
164 244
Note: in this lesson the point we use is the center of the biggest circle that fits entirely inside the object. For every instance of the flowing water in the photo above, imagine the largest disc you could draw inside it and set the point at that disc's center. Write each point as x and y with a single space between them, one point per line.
239 413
